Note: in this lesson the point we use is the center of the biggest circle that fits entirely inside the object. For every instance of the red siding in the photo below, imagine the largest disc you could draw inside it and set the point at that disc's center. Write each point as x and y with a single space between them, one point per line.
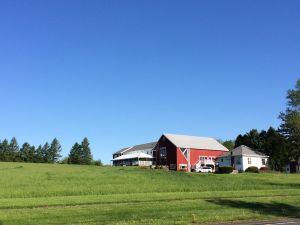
196 153
180 158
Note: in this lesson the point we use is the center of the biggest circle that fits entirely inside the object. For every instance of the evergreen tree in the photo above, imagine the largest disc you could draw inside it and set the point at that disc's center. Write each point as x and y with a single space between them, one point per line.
54 151
5 151
25 152
45 153
86 155
276 148
38 155
14 150
75 154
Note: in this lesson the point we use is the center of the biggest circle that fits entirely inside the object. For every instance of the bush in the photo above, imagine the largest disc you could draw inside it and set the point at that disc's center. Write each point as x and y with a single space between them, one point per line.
264 169
252 169
97 163
225 169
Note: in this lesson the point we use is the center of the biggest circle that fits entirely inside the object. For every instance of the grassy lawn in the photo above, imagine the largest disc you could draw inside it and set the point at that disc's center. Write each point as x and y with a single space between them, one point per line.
66 194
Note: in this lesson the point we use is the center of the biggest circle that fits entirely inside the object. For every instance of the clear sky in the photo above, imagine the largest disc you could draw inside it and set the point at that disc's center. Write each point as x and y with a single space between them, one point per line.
124 72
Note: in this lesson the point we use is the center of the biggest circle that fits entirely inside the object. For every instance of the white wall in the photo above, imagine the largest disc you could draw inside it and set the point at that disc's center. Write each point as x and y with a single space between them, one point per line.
255 161
243 165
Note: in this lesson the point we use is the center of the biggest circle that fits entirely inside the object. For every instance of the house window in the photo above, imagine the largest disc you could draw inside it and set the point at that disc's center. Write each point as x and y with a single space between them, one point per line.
263 162
249 161
238 161
163 152
221 160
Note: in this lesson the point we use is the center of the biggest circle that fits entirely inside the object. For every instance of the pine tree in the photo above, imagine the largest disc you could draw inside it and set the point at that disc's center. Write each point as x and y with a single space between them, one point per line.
5 151
54 151
45 153
38 155
14 150
86 157
75 154
25 152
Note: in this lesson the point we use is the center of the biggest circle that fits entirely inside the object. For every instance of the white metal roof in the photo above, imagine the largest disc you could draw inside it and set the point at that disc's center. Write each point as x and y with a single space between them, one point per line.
133 156
184 141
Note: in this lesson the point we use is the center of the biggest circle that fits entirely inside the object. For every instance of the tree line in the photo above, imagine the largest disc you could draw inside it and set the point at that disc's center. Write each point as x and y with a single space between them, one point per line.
281 144
47 153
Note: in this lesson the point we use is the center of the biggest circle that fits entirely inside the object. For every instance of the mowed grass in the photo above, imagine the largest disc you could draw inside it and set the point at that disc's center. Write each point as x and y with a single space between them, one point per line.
70 194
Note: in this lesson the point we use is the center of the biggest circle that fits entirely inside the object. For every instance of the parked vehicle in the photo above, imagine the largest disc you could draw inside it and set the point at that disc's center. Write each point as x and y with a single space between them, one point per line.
204 169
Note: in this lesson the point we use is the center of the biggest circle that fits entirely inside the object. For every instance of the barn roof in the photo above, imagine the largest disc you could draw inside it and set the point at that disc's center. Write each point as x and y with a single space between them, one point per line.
184 141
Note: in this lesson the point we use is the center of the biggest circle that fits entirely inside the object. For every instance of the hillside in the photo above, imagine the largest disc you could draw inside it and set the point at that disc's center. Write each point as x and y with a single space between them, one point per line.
70 194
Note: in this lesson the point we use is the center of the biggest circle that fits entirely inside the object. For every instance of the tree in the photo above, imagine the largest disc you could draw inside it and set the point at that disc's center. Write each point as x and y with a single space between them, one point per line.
229 144
86 156
290 122
14 150
4 151
38 155
54 151
45 153
26 152
276 148
252 139
75 154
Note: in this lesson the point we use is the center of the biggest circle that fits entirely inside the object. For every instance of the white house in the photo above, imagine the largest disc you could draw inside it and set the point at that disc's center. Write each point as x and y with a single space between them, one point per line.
243 157
138 155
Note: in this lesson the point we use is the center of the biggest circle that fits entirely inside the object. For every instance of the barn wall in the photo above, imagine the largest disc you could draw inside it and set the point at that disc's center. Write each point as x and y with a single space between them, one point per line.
171 152
196 153
180 159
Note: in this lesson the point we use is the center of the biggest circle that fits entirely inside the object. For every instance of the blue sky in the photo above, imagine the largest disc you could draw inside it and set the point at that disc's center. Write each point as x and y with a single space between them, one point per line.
124 72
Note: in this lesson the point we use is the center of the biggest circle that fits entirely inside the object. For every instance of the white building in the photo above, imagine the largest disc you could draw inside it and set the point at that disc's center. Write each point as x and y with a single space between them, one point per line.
243 157
138 155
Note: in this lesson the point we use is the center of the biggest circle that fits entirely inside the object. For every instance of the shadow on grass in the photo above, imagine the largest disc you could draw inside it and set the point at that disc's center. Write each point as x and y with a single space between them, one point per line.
287 185
272 208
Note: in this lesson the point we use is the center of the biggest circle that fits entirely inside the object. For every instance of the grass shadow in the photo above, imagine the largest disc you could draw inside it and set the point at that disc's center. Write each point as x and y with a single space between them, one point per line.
273 208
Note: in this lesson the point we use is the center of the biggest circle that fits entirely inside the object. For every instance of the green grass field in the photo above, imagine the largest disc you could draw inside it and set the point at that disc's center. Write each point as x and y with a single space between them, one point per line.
68 194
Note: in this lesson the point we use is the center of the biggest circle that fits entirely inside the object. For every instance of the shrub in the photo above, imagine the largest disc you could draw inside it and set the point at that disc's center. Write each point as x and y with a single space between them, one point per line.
97 163
225 169
252 169
264 169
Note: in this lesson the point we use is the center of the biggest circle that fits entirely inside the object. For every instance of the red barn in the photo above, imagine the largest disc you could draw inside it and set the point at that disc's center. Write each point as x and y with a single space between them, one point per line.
181 152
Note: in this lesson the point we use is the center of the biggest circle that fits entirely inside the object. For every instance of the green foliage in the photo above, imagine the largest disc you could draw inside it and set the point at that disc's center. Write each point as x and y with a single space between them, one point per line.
252 169
225 169
86 152
54 151
75 154
81 154
290 125
228 144
97 163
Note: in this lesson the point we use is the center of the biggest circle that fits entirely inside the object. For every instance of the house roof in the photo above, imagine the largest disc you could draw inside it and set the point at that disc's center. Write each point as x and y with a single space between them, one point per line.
150 145
184 141
244 150
133 156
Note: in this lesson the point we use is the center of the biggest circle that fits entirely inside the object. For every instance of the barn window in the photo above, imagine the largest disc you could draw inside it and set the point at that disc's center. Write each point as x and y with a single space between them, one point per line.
182 166
163 152
263 162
